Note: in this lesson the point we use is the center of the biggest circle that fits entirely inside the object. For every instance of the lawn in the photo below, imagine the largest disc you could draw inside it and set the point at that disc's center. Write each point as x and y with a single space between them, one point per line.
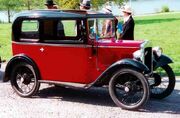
161 29
5 41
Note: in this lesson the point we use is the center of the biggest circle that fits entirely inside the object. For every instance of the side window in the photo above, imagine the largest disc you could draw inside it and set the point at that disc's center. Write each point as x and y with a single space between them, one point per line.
29 30
70 28
62 31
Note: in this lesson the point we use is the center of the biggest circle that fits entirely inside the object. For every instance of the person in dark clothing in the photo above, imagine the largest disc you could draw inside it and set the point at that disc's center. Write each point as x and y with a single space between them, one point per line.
50 4
128 26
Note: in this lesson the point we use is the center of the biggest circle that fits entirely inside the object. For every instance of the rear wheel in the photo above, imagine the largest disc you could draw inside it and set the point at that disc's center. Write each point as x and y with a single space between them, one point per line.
129 89
164 82
24 80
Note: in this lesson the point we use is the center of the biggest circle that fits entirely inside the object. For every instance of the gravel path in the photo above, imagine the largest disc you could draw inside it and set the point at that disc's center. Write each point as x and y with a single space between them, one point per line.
56 102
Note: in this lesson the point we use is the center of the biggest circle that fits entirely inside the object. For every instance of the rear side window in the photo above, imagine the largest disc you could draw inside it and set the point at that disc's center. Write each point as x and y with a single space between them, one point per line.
62 31
70 28
28 26
29 30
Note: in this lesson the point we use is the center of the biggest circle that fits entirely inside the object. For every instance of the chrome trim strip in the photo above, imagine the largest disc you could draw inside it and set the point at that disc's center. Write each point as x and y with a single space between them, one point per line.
68 45
57 45
115 47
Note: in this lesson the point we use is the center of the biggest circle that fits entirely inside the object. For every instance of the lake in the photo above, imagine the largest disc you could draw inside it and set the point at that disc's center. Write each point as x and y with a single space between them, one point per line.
139 7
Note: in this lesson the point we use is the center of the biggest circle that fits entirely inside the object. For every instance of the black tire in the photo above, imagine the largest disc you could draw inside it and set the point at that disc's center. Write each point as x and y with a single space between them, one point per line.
164 88
23 77
130 83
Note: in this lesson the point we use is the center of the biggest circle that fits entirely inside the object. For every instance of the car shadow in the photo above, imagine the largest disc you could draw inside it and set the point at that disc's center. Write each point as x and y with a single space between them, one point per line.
169 104
100 96
95 96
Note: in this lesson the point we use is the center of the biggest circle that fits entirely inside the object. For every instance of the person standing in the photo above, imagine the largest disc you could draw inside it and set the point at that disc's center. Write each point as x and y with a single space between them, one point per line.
108 28
85 5
50 4
128 26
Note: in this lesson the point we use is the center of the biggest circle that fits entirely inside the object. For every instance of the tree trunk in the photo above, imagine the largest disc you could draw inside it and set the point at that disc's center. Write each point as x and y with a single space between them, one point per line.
9 16
28 4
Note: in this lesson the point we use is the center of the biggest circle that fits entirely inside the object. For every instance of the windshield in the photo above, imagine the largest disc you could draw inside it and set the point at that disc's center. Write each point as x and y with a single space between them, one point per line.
103 28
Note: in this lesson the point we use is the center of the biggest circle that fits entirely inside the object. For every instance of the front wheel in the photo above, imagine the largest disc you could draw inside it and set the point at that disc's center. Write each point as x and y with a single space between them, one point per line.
129 89
24 80
164 82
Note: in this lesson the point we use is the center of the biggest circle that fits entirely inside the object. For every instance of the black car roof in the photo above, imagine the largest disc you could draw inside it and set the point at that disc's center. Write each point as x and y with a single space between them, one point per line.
63 14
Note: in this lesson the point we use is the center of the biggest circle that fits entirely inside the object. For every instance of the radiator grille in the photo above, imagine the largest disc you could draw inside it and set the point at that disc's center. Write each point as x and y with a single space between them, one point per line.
148 58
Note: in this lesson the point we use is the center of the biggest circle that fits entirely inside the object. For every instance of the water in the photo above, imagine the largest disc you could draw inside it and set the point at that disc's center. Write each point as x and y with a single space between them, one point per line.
3 16
139 7
153 6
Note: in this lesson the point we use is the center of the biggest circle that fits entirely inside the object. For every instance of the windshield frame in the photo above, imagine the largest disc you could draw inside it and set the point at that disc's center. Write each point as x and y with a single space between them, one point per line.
96 28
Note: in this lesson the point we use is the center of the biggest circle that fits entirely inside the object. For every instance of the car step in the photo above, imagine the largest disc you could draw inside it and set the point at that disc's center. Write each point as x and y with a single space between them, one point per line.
66 84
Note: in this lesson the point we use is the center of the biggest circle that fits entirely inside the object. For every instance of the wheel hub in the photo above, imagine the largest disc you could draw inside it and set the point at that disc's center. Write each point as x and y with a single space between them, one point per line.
25 79
157 79
127 89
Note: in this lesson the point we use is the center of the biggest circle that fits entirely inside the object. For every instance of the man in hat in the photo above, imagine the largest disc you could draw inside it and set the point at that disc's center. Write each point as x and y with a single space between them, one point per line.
128 26
50 4
85 5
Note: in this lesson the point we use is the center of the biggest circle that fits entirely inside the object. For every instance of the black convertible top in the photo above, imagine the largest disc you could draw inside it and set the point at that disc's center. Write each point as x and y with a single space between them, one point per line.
63 14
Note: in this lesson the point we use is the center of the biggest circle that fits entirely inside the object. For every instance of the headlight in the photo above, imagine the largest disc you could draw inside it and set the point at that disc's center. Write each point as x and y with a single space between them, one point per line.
138 55
158 51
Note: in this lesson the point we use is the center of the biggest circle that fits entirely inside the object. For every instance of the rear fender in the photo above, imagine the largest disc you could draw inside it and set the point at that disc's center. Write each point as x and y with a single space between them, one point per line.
105 77
15 60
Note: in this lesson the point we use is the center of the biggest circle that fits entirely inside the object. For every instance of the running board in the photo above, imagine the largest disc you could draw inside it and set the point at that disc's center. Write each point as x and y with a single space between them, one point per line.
66 84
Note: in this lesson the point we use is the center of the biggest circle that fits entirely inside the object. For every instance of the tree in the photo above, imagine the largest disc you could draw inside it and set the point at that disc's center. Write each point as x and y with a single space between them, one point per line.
74 4
10 6
98 3
32 4
68 4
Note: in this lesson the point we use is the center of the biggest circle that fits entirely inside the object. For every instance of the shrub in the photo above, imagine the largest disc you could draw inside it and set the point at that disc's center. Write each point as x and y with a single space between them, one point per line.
165 9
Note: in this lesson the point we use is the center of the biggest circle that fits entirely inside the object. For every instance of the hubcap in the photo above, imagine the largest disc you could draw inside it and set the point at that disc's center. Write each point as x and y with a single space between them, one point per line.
126 89
25 80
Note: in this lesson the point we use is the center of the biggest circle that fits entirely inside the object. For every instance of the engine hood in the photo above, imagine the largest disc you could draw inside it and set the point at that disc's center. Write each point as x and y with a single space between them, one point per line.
120 43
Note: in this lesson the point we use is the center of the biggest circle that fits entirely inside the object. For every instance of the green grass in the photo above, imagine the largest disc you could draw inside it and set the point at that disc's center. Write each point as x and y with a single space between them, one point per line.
162 30
5 41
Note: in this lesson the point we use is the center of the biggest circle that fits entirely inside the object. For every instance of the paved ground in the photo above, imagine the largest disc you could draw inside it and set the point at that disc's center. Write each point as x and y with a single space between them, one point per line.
94 103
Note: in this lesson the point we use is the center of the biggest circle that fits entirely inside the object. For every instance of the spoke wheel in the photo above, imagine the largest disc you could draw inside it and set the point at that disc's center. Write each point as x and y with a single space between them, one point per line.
129 89
164 82
24 80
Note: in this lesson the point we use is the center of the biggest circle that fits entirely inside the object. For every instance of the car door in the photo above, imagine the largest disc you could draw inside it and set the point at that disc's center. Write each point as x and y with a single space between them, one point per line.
63 53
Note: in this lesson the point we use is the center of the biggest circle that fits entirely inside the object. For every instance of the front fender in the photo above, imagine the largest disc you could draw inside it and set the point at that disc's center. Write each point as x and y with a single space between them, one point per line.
15 60
125 63
161 61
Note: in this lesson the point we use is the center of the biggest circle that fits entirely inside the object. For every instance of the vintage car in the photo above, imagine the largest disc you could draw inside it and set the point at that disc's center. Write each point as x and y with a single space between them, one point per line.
67 48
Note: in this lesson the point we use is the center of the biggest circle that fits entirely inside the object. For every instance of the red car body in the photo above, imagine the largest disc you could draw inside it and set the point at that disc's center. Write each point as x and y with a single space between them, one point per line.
76 63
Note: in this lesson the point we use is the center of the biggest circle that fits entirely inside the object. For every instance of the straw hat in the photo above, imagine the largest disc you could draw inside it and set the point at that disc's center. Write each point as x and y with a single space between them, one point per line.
126 9
107 9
